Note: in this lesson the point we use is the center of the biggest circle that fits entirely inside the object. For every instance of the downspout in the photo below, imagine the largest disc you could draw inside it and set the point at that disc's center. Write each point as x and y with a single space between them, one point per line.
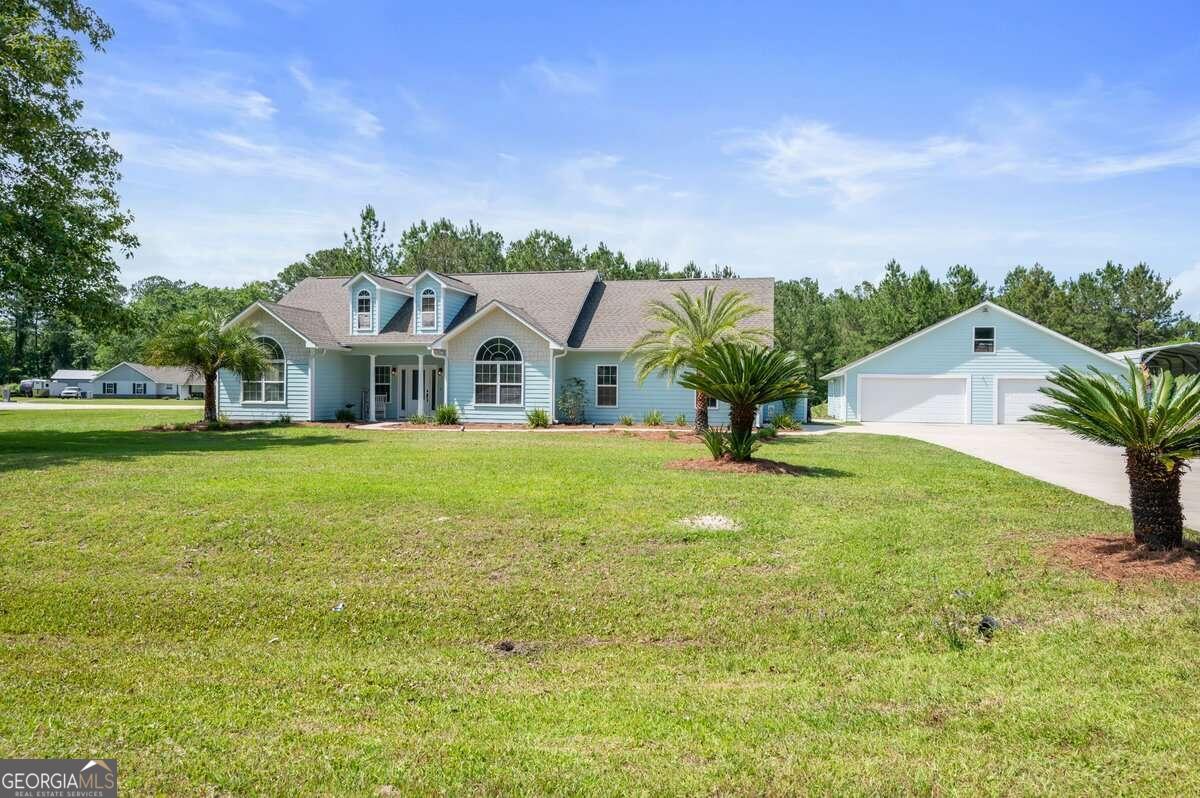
554 385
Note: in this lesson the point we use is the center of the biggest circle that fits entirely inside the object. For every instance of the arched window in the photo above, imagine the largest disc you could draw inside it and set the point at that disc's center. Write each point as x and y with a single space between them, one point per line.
428 309
499 373
269 386
363 308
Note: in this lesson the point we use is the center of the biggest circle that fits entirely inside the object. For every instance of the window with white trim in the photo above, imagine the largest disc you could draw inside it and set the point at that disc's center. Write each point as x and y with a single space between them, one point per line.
139 389
606 386
268 386
383 384
363 314
499 373
109 389
985 340
428 309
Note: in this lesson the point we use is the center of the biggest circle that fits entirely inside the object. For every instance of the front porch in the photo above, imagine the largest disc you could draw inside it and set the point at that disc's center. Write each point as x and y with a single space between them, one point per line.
401 384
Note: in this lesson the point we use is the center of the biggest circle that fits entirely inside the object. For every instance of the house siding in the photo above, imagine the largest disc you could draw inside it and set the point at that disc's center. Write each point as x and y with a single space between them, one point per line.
656 393
389 305
1021 349
296 397
341 379
460 355
453 304
125 377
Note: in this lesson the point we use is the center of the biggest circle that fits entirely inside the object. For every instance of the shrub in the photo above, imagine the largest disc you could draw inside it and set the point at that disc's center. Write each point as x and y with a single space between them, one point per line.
571 401
681 420
784 421
820 411
446 415
538 418
181 426
625 421
789 405
345 414
767 432
419 418
284 420
653 418
742 444
717 442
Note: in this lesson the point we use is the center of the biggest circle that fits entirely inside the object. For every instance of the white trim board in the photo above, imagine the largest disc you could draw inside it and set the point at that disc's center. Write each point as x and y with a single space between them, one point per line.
966 378
488 308
258 305
991 306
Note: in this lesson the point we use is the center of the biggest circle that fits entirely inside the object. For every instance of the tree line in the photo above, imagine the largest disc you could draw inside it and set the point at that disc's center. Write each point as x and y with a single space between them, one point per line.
37 338
1109 309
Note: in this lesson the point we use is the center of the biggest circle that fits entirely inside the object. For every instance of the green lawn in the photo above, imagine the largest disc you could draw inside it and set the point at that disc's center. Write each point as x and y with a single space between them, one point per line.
167 599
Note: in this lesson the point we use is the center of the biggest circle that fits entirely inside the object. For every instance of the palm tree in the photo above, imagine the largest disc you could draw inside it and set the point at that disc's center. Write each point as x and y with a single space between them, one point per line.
746 377
202 343
1156 419
686 329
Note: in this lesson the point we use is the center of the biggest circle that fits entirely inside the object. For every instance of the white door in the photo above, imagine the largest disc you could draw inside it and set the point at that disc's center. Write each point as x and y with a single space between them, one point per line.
929 399
1016 395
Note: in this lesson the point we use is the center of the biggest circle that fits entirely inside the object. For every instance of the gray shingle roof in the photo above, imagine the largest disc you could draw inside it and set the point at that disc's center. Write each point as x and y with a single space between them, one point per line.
176 375
74 374
570 307
311 323
615 314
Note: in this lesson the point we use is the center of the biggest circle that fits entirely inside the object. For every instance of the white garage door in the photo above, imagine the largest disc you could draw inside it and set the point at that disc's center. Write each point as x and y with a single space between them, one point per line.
1015 396
913 399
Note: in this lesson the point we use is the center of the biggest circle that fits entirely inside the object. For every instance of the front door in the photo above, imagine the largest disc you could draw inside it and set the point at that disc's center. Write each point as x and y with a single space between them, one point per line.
431 390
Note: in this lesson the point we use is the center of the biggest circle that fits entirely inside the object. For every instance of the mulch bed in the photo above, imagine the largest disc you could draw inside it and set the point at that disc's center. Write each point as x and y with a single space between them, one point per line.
728 466
1118 559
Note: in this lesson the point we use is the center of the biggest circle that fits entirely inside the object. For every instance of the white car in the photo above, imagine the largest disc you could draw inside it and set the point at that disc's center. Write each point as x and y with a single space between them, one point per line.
70 392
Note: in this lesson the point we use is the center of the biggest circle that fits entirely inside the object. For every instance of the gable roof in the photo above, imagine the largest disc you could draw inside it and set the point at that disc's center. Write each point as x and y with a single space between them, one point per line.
615 314
570 308
176 375
309 325
74 374
990 306
445 279
381 281
520 314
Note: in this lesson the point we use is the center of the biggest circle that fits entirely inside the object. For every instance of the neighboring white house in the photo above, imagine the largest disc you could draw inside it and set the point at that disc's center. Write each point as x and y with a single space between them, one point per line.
982 366
136 380
72 378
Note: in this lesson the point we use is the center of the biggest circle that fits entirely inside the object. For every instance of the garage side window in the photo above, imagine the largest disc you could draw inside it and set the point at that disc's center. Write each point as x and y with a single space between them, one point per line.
985 339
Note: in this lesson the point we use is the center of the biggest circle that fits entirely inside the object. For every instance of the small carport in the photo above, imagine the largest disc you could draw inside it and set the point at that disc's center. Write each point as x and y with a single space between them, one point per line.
1182 358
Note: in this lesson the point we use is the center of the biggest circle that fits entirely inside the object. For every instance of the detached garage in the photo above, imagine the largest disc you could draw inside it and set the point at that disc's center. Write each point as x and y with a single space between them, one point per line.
982 366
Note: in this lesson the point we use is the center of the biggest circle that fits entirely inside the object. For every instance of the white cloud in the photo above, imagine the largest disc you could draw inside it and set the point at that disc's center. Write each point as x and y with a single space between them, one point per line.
562 79
806 157
211 91
583 178
329 98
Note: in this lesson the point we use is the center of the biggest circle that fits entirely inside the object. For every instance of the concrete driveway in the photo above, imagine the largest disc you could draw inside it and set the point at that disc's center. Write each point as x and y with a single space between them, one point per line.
1041 452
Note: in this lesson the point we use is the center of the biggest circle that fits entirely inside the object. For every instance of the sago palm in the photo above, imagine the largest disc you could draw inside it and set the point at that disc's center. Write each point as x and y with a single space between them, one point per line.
1156 419
684 330
746 377
201 342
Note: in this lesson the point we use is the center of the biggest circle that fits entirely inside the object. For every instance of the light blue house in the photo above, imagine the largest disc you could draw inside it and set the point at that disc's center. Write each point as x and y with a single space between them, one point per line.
496 345
982 366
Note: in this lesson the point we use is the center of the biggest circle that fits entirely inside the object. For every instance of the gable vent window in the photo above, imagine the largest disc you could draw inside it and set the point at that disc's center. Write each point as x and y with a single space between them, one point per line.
428 309
499 373
985 339
362 318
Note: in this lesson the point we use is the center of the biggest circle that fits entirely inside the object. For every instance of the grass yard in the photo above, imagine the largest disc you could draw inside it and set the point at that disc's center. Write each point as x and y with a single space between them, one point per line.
168 599
151 401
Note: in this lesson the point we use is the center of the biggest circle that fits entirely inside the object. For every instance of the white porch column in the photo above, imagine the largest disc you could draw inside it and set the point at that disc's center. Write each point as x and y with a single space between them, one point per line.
421 384
371 390
445 380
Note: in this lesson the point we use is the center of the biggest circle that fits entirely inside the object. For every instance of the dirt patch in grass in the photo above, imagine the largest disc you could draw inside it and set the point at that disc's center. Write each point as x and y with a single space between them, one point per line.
1120 558
755 466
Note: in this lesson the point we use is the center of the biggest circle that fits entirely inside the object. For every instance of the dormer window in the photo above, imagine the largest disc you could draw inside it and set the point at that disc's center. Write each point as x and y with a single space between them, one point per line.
362 318
428 309
985 340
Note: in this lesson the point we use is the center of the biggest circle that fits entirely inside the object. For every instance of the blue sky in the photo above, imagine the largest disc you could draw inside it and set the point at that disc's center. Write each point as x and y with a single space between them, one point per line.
782 140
